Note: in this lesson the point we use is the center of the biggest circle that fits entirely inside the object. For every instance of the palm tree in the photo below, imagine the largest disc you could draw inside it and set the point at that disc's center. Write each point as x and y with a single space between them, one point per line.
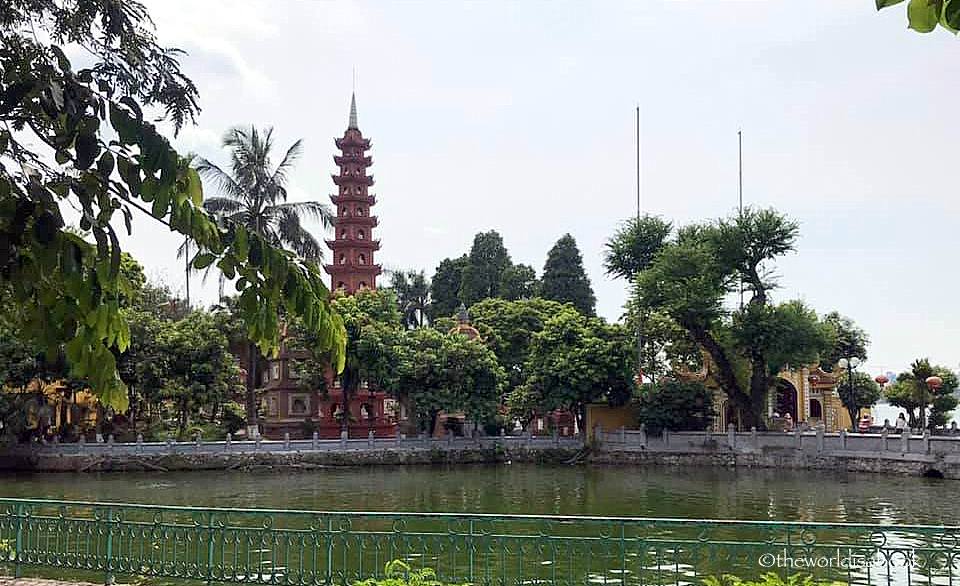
413 294
253 194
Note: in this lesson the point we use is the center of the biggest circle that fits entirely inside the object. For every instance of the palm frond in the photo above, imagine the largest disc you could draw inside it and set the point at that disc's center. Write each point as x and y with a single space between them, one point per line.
292 233
221 206
279 177
310 209
226 184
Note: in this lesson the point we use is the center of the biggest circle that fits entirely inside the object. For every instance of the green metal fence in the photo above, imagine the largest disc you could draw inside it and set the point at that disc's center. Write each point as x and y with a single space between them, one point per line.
259 546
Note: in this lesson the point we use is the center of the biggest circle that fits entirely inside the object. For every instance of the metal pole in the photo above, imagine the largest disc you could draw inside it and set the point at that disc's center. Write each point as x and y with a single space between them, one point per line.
641 319
740 191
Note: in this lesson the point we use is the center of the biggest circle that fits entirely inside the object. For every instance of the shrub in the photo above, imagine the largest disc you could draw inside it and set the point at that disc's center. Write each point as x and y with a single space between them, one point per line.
399 573
675 405
768 579
233 417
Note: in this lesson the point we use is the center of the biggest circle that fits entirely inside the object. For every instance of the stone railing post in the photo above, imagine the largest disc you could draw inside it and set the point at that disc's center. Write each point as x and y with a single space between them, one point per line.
643 434
313 440
343 438
905 441
169 444
666 436
926 441
883 439
598 434
286 441
843 439
731 436
820 439
256 443
228 444
754 438
623 435
797 439
81 444
139 443
400 437
529 439
110 444
556 437
198 445
370 436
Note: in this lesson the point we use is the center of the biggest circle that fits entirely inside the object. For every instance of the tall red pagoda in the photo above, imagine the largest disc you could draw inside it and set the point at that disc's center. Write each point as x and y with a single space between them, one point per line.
352 267
290 409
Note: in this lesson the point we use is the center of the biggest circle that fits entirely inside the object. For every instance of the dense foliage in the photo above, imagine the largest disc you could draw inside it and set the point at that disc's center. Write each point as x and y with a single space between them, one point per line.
849 341
508 328
486 263
864 393
574 360
674 405
925 15
412 289
925 407
446 372
80 139
694 273
564 278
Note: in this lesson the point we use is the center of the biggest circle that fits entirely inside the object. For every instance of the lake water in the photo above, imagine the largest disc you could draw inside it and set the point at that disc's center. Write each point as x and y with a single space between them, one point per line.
698 493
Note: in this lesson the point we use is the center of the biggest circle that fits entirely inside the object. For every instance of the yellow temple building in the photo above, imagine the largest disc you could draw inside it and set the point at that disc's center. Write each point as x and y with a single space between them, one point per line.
804 397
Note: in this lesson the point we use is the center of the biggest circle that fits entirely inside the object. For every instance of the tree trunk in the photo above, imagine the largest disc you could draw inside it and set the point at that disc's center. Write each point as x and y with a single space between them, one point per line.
253 427
854 424
759 387
349 381
183 419
750 405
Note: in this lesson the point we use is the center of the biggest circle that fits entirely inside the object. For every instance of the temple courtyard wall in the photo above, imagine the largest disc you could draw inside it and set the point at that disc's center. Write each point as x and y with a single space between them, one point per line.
918 455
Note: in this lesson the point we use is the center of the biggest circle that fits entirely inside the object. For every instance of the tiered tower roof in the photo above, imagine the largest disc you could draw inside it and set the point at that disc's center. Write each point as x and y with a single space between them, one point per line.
352 267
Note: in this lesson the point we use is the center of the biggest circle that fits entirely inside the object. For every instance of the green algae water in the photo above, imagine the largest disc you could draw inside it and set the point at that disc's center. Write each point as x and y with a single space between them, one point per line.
697 493
694 493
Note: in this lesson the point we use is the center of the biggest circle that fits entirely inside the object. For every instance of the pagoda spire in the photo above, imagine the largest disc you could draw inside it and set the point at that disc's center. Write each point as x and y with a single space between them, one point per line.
353 112
353 267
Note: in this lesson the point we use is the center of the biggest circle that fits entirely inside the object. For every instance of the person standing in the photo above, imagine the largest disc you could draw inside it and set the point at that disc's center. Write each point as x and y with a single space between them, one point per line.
901 423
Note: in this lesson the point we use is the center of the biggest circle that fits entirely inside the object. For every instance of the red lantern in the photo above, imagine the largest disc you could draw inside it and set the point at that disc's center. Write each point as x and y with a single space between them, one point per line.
934 382
882 380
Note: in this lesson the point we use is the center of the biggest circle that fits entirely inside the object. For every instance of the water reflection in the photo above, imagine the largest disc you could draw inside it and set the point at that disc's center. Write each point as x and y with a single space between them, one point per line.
628 491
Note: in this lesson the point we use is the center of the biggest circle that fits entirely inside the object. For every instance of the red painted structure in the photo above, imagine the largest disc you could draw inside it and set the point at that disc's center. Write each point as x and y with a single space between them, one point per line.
288 406
352 267
291 408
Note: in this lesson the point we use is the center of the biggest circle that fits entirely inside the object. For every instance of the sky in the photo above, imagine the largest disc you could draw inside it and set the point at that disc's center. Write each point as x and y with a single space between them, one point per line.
520 117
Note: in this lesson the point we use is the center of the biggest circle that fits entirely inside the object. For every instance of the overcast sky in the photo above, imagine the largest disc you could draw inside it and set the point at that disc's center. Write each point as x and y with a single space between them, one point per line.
519 117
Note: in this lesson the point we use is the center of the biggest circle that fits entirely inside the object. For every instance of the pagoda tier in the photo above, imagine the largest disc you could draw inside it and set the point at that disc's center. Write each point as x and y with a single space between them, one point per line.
352 198
342 160
352 142
353 266
368 244
353 179
368 221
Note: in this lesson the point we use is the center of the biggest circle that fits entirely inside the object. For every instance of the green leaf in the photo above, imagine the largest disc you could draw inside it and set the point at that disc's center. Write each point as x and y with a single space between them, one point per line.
87 150
105 164
195 186
951 15
923 15
241 245
203 260
885 3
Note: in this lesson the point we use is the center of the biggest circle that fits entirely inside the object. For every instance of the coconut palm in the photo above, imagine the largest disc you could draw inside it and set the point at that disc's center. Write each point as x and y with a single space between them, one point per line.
253 194
413 294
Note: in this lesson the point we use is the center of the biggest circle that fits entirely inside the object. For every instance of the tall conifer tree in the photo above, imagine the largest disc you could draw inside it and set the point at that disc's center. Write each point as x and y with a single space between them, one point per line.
564 279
